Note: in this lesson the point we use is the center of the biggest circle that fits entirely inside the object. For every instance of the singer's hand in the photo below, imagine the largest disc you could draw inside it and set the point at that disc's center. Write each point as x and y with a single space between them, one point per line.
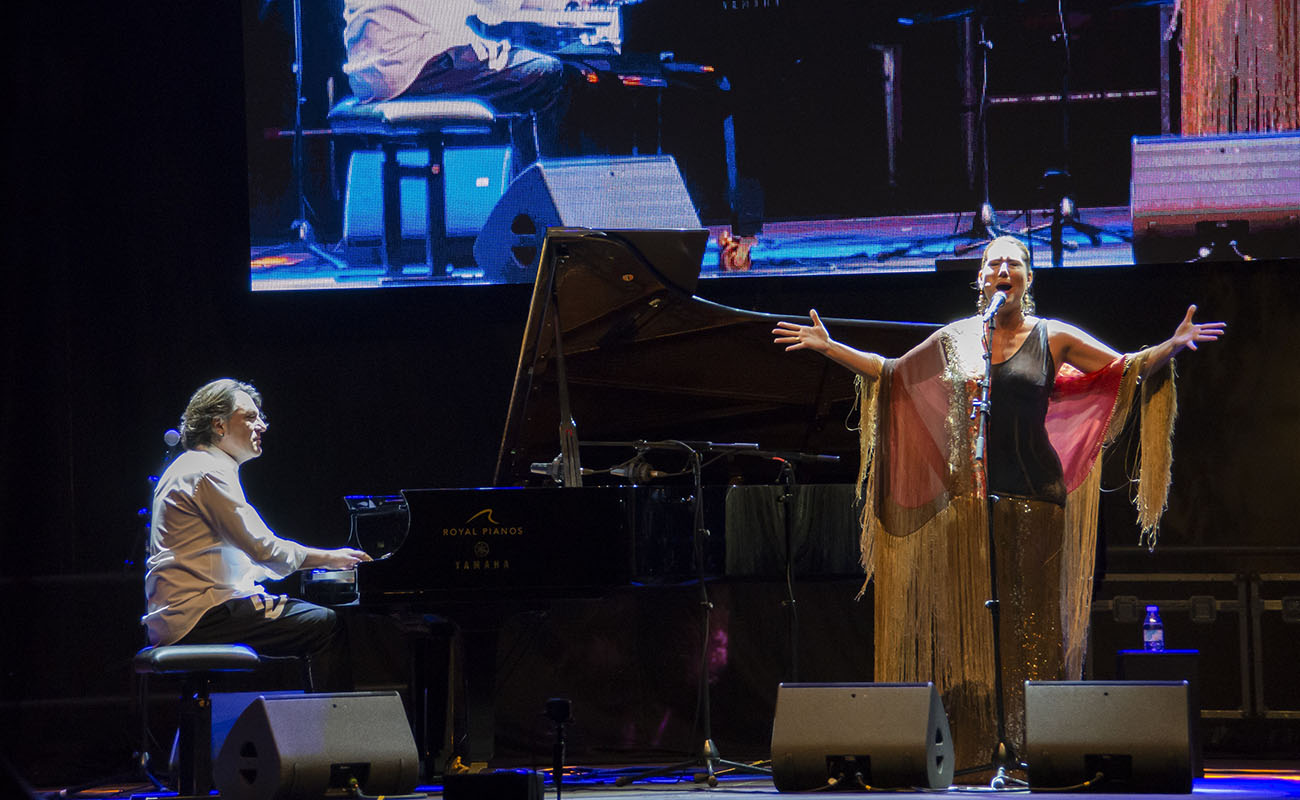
799 337
1189 333
816 338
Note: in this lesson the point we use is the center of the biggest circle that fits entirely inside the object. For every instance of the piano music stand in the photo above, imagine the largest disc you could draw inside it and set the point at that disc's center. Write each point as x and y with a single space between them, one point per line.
708 759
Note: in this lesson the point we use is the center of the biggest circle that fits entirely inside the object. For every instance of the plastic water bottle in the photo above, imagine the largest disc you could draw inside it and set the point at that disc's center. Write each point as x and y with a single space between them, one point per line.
1153 631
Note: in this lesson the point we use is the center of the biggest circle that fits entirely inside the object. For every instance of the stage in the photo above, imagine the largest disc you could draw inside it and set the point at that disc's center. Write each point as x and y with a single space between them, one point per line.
1235 781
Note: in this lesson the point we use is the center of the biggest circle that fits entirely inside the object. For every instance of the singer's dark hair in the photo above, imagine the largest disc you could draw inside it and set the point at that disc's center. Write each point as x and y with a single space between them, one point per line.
1026 255
213 400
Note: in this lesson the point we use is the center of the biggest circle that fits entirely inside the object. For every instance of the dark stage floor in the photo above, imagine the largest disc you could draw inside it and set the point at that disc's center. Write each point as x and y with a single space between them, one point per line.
1236 781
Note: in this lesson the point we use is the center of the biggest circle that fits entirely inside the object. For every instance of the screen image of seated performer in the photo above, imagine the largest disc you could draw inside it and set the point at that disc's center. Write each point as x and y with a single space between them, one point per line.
410 48
1058 397
209 548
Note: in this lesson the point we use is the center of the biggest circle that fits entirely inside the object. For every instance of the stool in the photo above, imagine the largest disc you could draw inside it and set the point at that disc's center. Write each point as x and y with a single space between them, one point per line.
196 664
425 123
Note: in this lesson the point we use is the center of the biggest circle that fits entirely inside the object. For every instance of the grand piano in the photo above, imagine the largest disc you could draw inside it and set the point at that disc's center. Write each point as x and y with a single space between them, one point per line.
644 421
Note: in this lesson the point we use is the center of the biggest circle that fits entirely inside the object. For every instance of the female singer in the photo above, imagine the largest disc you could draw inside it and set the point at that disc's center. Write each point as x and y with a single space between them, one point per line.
1057 397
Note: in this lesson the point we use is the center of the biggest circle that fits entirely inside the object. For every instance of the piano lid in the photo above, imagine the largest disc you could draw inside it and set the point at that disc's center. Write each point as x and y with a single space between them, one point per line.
647 360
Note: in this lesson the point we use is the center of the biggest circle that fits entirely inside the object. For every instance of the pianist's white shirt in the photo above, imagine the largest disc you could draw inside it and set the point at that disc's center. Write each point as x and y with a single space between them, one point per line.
206 544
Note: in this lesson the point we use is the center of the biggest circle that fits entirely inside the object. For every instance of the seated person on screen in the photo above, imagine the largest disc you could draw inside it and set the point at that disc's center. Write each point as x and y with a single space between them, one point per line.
403 48
208 548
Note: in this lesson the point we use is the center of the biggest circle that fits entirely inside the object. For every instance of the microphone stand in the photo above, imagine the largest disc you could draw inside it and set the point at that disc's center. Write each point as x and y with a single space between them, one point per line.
304 234
1004 755
558 712
792 610
786 501
1065 214
708 759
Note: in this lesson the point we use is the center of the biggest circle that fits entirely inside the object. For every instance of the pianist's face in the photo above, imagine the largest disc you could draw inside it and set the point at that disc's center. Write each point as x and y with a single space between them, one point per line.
240 436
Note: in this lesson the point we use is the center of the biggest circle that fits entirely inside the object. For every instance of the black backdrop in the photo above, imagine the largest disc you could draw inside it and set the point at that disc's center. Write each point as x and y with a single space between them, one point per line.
126 288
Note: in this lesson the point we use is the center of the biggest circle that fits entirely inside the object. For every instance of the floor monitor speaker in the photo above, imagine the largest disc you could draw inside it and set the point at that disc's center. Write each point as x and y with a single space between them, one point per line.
1109 736
851 735
1216 197
295 747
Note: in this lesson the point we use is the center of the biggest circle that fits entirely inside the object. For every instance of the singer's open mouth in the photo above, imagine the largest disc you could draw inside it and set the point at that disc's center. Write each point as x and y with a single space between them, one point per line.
1005 286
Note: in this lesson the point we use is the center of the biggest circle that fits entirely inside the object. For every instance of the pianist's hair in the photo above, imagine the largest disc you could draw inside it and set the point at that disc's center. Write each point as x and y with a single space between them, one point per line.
212 401
1026 255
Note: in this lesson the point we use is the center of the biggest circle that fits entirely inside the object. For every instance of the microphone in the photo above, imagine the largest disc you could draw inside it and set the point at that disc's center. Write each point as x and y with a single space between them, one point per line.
637 471
172 437
995 305
553 469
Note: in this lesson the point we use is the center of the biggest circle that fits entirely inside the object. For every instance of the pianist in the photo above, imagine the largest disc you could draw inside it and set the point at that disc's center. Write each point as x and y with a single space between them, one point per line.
1058 396
208 548
399 48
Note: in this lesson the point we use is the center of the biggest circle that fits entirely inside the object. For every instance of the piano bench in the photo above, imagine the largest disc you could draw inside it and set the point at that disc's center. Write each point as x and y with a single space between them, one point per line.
196 664
425 125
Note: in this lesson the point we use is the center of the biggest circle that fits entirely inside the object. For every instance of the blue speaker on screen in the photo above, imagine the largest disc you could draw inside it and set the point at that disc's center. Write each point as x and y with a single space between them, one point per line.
474 179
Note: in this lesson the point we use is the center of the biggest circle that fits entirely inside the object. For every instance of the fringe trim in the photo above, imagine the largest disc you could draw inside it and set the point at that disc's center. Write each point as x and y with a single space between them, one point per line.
869 402
1241 66
935 581
1078 556
1158 407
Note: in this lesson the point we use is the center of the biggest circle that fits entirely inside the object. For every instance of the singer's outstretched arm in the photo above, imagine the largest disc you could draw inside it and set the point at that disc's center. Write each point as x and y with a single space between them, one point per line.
1080 350
816 338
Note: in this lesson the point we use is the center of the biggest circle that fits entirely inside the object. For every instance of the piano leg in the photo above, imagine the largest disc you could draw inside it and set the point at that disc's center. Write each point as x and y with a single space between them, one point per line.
435 699
452 688
479 649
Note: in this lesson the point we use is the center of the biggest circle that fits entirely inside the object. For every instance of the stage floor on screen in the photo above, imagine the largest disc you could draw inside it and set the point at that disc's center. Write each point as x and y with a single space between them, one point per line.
917 243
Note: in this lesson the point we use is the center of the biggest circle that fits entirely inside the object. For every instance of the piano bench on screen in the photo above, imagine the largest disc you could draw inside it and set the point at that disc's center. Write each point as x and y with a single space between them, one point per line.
196 665
408 138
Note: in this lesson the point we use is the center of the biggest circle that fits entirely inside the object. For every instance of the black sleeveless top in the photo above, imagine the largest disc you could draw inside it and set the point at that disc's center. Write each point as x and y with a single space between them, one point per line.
1020 459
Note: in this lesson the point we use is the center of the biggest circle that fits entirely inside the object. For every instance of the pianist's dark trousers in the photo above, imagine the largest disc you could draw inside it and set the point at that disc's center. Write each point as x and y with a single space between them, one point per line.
530 81
282 627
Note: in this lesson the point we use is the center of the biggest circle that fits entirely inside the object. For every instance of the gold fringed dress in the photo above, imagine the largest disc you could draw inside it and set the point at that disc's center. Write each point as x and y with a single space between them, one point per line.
924 527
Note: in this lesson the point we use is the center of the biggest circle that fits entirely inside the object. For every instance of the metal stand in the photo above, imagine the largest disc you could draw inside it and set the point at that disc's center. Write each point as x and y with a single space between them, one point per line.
791 607
704 765
304 235
984 225
1065 214
558 712
1004 756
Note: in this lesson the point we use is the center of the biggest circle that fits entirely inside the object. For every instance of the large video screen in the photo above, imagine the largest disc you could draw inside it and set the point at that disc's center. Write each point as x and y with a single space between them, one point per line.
433 142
